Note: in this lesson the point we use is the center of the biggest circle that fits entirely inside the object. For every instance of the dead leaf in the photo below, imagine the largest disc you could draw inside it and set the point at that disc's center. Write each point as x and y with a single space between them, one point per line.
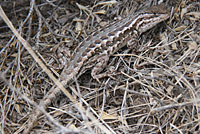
106 116
180 28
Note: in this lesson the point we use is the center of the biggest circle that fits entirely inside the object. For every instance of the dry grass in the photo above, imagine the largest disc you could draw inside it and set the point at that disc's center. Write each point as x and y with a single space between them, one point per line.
154 87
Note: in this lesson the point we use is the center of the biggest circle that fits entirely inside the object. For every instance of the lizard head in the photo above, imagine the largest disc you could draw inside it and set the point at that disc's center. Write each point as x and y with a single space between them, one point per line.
151 16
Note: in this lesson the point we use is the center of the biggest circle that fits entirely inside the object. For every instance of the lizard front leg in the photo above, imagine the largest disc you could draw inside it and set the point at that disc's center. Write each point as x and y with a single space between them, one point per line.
101 63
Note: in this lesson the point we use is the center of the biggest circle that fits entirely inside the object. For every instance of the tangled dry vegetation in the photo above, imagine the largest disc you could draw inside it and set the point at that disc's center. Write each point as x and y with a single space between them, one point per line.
154 87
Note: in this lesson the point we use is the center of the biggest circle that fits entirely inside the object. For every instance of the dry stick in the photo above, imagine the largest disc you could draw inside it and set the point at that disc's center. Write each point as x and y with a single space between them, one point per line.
48 72
55 122
192 102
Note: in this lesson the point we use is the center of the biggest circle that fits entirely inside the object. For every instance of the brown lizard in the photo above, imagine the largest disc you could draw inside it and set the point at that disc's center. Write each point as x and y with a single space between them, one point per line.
103 44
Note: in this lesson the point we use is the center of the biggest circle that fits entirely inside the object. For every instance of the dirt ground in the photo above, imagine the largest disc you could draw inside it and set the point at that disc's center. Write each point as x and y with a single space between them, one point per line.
153 88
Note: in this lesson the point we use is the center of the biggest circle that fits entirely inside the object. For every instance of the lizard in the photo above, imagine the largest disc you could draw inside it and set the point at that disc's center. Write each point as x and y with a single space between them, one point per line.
103 44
